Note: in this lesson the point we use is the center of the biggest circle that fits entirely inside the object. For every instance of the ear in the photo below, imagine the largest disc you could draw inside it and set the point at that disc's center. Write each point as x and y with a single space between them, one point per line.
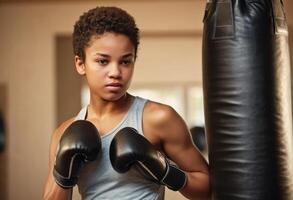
79 65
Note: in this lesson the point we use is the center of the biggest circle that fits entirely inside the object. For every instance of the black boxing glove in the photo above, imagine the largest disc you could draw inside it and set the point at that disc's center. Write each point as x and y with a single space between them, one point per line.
79 144
128 147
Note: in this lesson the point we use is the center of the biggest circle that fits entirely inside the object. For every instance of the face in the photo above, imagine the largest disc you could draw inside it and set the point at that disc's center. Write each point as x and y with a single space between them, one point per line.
108 65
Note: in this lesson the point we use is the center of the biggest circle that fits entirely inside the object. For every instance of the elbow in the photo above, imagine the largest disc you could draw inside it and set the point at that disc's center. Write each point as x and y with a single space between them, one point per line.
46 195
197 187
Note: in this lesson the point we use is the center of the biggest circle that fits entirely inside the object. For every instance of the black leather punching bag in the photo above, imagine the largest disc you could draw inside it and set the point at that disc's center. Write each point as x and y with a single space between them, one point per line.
240 60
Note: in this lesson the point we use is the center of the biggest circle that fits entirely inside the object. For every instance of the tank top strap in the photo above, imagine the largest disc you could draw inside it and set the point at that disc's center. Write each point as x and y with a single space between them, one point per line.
138 109
82 114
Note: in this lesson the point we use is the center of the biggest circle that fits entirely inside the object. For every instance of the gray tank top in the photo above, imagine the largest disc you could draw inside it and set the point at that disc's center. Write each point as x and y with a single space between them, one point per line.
98 180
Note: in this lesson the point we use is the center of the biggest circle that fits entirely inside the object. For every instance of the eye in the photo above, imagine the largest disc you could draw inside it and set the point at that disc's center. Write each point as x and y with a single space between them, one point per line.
102 61
126 62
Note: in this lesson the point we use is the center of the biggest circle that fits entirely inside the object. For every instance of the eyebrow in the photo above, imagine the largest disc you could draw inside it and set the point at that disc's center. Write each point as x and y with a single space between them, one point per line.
108 56
102 54
127 55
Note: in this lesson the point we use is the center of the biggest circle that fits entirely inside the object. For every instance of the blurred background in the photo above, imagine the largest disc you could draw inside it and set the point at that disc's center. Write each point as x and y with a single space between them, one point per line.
39 87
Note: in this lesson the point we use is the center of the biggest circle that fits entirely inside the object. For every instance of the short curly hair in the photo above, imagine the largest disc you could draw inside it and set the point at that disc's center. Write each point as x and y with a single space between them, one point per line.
99 20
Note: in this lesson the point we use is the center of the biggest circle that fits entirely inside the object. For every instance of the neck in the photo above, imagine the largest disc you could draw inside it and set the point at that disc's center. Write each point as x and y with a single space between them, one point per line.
99 107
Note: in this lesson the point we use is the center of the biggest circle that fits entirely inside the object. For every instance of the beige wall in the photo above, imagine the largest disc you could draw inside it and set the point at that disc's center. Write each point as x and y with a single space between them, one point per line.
27 67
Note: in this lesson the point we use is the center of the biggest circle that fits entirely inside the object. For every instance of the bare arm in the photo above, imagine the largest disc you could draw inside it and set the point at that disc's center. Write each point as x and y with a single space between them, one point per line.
53 191
166 128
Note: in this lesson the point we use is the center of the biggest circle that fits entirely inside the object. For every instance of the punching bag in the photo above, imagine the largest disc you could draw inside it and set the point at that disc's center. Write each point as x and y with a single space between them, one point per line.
281 95
241 50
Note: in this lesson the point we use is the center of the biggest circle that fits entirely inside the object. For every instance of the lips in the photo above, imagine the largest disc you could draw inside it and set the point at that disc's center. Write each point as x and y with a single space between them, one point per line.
114 86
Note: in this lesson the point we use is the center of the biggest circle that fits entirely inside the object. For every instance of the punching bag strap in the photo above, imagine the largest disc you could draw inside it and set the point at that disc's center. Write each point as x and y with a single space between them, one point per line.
224 23
279 17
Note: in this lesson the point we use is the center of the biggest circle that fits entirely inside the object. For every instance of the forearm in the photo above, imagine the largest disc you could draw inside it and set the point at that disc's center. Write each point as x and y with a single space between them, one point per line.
55 192
197 186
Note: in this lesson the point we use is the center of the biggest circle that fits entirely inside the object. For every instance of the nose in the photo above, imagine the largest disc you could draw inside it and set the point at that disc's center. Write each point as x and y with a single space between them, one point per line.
114 71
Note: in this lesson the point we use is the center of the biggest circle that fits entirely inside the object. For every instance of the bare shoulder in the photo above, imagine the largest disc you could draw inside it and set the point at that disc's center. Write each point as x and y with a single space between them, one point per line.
158 114
61 128
162 123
